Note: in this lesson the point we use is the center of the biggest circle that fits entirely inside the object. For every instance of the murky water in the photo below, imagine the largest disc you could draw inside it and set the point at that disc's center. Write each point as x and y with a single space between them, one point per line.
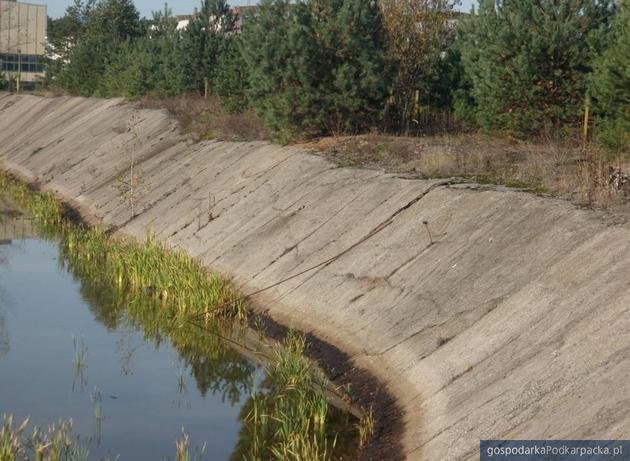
130 384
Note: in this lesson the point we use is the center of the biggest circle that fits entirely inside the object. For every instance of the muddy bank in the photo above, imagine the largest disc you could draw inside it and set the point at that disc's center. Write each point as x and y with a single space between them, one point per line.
505 316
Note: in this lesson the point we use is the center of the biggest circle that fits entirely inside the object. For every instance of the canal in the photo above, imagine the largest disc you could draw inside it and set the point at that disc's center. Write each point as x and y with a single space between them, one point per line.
131 380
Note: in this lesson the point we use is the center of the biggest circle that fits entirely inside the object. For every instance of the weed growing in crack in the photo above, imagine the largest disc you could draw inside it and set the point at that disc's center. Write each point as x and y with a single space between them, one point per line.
130 184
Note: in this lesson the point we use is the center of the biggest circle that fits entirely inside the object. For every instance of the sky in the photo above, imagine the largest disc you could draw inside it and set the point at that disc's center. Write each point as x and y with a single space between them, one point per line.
56 8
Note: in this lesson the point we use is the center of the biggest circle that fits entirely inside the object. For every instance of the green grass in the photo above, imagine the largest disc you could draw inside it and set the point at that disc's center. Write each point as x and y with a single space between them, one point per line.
43 207
287 419
148 269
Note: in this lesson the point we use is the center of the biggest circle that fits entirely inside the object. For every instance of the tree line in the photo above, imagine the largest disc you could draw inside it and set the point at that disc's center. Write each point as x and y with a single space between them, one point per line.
315 67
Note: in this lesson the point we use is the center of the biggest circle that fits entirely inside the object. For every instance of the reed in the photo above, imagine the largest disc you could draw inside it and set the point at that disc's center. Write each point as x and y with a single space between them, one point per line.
366 427
287 418
182 449
54 444
80 353
150 270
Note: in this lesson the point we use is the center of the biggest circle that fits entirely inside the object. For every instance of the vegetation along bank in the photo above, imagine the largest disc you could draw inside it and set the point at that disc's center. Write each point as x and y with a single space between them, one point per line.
167 292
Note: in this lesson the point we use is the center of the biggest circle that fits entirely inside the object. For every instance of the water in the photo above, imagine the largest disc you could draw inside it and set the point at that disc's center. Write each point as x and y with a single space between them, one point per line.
129 382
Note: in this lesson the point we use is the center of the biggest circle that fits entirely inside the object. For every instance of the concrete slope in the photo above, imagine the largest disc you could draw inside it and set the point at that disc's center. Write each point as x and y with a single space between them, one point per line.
513 323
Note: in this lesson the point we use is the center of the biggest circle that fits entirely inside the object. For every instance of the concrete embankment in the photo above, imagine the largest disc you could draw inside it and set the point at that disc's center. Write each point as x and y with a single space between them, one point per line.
512 320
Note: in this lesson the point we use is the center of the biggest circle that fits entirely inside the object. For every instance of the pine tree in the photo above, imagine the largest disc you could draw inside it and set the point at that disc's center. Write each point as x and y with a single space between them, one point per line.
149 65
361 76
117 20
163 45
529 61
231 81
87 64
611 84
130 74
62 36
272 64
201 42
317 66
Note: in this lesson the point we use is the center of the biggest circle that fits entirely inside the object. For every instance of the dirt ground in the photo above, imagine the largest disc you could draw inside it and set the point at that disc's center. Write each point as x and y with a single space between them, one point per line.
583 174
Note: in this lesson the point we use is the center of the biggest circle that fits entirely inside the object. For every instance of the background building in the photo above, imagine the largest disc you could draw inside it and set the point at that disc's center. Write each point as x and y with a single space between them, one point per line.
22 40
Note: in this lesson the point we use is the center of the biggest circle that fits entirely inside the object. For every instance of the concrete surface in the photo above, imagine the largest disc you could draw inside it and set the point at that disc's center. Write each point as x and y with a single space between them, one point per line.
514 323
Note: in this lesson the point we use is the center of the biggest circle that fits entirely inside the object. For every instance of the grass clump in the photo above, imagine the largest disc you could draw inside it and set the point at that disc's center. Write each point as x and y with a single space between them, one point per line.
150 270
42 206
289 418
54 444
57 443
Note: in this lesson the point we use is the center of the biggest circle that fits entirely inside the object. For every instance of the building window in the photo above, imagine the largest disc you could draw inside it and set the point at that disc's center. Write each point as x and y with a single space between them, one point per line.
27 62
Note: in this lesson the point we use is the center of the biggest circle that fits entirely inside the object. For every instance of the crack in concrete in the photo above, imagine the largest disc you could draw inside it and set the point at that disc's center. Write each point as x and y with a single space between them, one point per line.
318 267
310 234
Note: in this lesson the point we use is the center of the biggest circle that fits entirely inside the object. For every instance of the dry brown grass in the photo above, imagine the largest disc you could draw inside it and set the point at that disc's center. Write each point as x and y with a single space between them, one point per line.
570 170
574 172
204 118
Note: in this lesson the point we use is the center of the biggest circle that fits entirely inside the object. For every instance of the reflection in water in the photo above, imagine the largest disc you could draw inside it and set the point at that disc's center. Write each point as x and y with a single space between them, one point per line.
5 345
182 387
13 225
97 402
80 364
215 366
4 331
126 348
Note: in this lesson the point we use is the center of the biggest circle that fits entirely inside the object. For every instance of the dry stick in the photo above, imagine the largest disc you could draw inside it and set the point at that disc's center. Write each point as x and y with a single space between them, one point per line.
426 226
586 118
227 339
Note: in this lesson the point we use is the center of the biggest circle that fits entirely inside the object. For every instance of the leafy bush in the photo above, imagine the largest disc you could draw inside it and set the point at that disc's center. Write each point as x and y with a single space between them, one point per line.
419 55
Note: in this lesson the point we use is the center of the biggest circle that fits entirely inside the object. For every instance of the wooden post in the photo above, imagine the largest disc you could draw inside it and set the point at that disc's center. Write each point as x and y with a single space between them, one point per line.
19 75
205 84
586 118
416 103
